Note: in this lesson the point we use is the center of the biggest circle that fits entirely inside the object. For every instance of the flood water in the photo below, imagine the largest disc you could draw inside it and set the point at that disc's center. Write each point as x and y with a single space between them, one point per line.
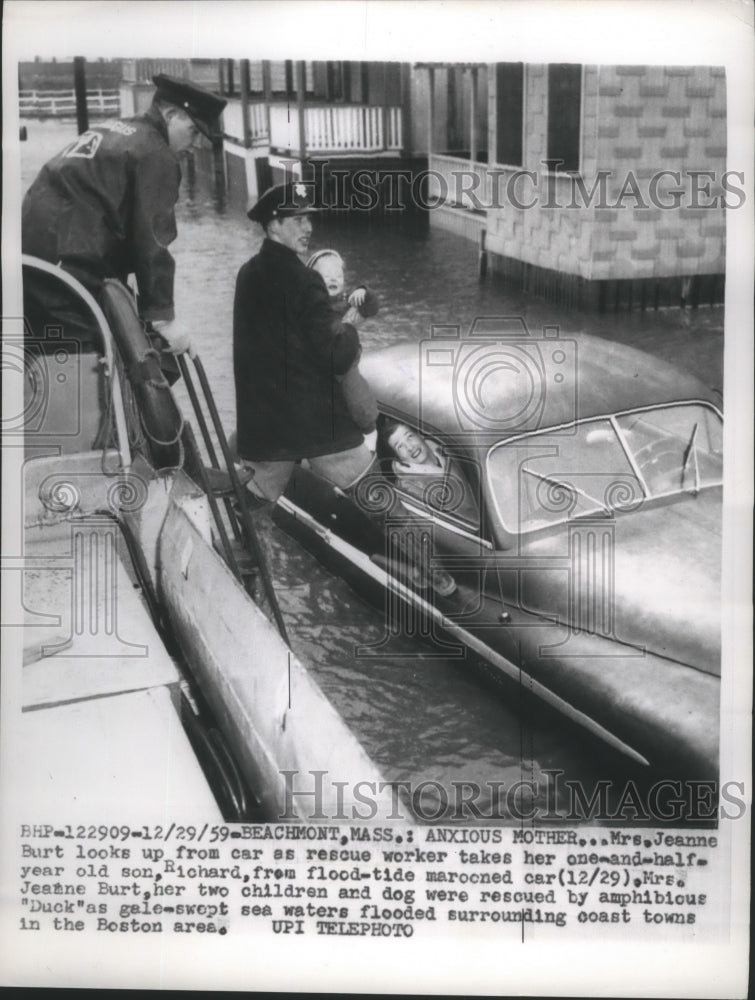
420 717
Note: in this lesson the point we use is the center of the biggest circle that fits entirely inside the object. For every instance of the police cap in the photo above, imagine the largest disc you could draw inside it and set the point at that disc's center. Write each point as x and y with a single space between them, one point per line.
199 104
281 202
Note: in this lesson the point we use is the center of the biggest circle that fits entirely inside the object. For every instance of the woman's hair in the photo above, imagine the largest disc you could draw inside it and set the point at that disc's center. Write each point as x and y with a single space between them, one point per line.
318 255
386 427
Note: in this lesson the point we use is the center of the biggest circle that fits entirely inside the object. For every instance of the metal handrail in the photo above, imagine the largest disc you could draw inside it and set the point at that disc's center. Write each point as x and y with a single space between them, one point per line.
247 526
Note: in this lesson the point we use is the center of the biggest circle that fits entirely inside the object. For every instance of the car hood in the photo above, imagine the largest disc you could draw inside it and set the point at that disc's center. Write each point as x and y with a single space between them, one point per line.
651 578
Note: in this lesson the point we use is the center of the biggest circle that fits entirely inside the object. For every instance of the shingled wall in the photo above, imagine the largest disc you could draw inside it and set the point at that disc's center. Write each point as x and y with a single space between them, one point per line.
638 119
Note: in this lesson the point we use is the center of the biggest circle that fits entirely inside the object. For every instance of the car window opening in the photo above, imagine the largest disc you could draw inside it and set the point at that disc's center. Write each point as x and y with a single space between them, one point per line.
420 470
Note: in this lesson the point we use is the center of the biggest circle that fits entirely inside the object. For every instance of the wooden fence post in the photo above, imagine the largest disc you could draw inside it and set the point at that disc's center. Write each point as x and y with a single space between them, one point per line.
244 79
80 87
300 92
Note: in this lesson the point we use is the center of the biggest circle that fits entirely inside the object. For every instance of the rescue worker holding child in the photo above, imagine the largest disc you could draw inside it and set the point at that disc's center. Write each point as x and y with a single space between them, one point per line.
290 347
291 351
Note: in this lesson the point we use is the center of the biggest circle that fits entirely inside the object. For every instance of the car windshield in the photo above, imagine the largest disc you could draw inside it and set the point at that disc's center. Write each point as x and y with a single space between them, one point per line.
606 464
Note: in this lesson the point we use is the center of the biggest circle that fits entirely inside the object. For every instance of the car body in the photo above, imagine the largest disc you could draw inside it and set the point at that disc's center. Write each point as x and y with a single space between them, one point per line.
579 512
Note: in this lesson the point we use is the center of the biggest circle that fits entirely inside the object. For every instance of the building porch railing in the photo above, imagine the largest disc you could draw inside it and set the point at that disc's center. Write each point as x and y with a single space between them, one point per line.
233 122
339 129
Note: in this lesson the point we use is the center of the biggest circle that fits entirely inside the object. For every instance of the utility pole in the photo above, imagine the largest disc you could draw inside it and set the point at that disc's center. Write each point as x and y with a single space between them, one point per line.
300 92
80 89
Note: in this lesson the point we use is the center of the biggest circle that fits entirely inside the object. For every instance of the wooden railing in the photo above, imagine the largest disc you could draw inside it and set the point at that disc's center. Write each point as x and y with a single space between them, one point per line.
233 125
336 128
44 103
142 70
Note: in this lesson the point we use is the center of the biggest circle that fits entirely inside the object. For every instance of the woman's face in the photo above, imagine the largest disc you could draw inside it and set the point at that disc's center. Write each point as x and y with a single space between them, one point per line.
409 447
331 269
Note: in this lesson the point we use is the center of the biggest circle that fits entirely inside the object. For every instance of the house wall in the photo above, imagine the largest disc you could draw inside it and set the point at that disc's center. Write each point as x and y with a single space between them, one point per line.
452 110
420 98
135 98
537 234
634 119
654 118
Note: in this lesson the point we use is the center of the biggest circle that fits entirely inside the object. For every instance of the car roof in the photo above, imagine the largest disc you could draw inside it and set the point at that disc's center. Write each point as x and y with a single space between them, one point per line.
488 387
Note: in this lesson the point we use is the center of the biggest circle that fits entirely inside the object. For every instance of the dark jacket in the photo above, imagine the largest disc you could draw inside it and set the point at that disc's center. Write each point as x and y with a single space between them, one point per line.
103 208
288 346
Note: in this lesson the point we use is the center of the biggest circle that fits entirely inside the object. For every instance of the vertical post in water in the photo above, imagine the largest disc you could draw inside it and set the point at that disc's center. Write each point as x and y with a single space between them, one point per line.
218 148
244 83
300 92
80 89
406 109
482 265
473 120
218 166
430 125
430 112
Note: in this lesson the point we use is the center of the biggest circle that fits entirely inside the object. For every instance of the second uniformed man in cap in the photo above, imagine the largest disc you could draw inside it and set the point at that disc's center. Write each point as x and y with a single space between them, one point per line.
104 206
289 347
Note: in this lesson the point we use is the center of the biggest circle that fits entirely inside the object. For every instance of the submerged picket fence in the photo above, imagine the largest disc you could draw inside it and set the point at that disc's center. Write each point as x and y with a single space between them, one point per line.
56 103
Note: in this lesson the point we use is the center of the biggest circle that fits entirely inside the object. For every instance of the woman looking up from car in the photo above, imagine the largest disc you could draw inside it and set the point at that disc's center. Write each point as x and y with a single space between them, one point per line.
415 455
422 470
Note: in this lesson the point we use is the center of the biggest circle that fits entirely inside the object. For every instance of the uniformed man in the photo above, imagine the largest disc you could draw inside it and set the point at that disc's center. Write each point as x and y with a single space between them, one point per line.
104 206
289 349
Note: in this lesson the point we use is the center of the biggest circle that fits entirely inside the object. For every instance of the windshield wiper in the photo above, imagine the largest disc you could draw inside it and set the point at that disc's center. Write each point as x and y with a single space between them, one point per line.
691 452
568 486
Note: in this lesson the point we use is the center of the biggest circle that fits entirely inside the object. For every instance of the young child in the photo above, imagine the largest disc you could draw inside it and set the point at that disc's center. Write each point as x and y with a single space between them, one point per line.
359 397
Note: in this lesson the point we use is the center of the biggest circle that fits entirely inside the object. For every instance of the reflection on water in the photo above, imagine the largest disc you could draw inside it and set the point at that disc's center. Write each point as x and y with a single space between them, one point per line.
422 718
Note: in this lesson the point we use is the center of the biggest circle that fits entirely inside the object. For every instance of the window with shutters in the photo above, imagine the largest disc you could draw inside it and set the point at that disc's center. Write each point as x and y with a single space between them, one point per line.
336 82
509 113
256 79
564 116
283 79
279 78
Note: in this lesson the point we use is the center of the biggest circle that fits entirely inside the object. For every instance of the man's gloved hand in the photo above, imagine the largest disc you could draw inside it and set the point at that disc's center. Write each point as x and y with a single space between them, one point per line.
178 340
353 316
371 441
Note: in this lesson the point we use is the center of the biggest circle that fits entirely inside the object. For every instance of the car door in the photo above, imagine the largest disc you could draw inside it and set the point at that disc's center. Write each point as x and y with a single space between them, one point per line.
443 516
